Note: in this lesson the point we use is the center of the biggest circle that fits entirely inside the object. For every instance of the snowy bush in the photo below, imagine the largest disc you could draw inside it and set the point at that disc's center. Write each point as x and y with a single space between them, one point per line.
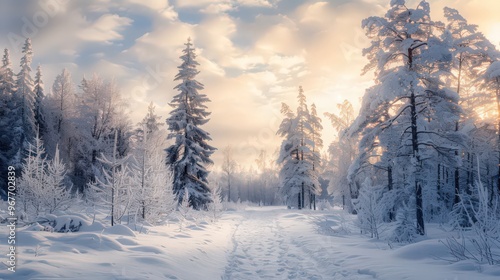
403 229
183 211
64 223
215 207
480 241
369 209
41 188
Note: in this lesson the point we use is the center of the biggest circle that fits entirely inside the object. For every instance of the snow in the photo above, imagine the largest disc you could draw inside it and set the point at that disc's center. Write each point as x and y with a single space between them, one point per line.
254 243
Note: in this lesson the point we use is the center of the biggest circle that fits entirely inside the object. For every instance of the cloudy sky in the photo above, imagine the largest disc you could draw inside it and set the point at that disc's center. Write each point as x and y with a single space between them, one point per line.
253 54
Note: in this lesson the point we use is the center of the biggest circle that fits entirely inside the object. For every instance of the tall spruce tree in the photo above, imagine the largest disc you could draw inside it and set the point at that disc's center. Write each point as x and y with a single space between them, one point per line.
25 99
7 119
317 145
297 174
39 105
190 154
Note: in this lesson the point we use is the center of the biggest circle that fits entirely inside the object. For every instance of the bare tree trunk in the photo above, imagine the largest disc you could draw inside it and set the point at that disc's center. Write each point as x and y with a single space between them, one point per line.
390 187
418 184
298 196
303 194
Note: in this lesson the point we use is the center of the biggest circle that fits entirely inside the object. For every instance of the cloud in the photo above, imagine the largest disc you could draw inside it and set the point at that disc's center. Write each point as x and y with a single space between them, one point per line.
106 28
255 3
253 54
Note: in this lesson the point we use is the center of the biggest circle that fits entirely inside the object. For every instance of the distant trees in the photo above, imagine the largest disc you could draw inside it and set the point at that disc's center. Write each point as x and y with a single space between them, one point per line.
341 155
299 158
228 168
101 112
190 154
91 144
24 97
61 105
8 146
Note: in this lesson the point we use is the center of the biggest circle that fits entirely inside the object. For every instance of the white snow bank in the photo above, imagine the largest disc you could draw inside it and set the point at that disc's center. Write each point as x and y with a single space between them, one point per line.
119 230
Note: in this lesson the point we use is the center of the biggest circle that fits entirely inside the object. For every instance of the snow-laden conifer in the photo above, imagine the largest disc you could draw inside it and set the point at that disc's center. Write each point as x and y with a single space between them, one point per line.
190 155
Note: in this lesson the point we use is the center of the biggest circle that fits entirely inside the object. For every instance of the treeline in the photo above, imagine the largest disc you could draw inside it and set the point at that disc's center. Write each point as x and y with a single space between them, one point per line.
74 143
81 120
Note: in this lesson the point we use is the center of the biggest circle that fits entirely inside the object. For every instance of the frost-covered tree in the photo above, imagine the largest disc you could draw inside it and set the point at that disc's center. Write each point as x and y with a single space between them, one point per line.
32 178
39 106
409 99
101 112
8 146
153 193
25 127
57 195
267 179
62 105
8 84
341 152
470 51
215 207
315 156
228 168
151 122
41 186
369 208
114 188
492 84
297 174
189 156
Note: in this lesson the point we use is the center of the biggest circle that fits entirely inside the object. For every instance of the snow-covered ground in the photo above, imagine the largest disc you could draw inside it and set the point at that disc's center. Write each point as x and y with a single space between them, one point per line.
255 243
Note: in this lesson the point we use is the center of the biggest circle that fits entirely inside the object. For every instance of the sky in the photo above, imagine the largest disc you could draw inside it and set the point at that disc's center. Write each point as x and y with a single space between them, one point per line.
253 54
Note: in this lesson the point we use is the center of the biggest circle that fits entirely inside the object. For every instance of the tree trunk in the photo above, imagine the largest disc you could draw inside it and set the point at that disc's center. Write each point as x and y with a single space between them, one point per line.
390 187
228 188
303 194
418 185
457 174
298 202
498 132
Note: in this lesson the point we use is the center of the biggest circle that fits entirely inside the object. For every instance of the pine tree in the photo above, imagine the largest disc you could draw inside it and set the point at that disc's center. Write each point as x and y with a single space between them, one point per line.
317 145
153 195
62 111
8 84
190 154
8 146
32 178
57 196
25 99
297 174
40 115
41 186
113 188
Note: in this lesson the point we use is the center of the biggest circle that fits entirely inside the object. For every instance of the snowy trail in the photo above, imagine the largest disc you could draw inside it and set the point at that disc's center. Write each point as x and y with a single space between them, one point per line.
261 251
263 248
